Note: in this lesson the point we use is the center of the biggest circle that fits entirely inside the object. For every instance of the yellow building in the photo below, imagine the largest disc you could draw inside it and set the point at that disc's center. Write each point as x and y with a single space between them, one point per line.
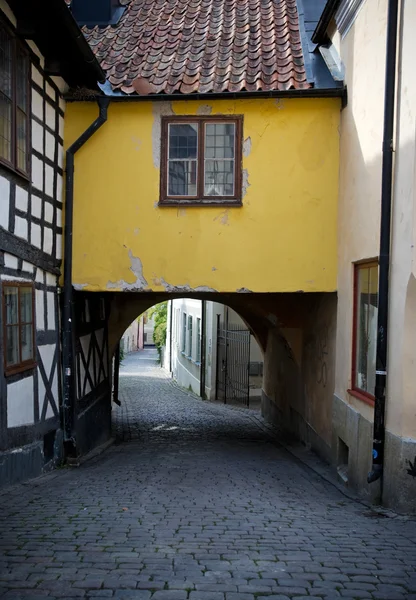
211 172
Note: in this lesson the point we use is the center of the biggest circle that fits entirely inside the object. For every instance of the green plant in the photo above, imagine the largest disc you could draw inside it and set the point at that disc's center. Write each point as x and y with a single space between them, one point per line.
160 317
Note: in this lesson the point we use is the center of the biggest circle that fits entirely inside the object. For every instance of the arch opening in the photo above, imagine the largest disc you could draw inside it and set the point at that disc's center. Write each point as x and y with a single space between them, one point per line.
295 333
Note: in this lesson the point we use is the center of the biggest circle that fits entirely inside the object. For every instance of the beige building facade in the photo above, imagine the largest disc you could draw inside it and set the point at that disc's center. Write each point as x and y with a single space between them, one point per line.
358 33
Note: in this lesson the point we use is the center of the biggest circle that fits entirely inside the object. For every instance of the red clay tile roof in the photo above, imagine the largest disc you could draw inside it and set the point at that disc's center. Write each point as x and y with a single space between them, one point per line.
185 46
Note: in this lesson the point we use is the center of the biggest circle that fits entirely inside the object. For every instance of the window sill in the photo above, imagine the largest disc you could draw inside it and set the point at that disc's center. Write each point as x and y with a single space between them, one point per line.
198 203
361 396
8 167
19 369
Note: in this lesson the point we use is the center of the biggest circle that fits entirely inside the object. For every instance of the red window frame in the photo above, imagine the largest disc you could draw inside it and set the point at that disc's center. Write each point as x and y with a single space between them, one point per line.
355 391
200 199
22 365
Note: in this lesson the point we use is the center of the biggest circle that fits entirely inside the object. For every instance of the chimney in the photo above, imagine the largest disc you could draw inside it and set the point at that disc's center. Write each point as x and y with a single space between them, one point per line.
97 12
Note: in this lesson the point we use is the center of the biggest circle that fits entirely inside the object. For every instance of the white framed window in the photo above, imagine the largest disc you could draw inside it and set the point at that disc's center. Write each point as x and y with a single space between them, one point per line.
190 337
198 341
183 346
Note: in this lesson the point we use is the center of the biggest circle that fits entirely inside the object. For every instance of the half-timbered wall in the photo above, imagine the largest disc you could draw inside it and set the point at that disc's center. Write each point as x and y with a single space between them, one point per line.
93 377
30 250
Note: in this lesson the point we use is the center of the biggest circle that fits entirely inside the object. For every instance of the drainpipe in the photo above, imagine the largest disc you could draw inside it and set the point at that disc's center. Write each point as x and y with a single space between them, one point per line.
171 338
116 376
67 316
385 234
202 376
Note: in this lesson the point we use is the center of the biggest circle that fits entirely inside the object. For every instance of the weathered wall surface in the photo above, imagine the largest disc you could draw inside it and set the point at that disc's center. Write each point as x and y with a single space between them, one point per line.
363 52
399 486
318 369
283 238
299 374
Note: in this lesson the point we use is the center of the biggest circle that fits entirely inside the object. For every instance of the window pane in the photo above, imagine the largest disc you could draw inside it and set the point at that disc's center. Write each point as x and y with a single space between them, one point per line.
12 343
22 79
219 178
183 140
26 305
11 299
5 63
367 289
21 139
26 339
219 140
182 178
5 127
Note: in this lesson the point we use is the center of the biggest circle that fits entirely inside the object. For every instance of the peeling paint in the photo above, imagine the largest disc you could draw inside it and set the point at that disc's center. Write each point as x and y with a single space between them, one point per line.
185 288
214 269
159 109
181 212
136 231
79 286
246 183
204 109
137 269
280 103
223 217
247 147
244 290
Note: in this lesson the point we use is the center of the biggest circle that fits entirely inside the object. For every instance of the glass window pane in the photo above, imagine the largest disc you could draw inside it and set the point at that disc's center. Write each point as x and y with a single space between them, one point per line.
11 299
12 346
22 80
366 327
21 140
5 63
182 178
219 140
183 140
5 127
26 339
219 178
26 305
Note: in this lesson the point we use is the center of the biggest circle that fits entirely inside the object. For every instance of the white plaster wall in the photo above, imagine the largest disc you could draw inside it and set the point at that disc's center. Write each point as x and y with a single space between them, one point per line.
401 379
129 338
4 202
185 371
362 52
20 403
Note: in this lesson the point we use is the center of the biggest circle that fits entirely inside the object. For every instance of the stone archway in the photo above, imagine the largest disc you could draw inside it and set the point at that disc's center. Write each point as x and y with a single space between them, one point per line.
296 332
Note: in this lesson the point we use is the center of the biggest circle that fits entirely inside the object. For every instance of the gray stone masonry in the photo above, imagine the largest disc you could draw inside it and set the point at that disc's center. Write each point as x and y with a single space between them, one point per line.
196 501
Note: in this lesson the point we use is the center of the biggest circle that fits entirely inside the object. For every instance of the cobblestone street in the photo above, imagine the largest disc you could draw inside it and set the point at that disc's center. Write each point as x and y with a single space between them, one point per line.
195 501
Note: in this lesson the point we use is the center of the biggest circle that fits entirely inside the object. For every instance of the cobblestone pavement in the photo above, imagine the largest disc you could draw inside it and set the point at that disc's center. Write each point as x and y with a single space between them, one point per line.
195 502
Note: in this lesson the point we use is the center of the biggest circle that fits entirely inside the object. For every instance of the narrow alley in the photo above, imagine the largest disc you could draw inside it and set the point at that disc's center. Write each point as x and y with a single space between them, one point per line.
196 501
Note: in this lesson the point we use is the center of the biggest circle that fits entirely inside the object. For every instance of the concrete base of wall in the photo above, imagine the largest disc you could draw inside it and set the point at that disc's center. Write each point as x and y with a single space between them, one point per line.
352 443
29 461
399 487
296 428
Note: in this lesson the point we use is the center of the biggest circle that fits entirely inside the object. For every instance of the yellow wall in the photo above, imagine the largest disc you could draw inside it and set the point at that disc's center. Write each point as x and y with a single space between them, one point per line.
282 239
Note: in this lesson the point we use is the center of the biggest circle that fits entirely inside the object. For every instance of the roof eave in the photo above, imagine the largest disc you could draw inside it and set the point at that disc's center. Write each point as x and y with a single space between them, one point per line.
338 91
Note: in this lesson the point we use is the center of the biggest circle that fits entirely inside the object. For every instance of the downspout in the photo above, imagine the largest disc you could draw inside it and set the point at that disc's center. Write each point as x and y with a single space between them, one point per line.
385 235
68 405
116 376
202 376
170 337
